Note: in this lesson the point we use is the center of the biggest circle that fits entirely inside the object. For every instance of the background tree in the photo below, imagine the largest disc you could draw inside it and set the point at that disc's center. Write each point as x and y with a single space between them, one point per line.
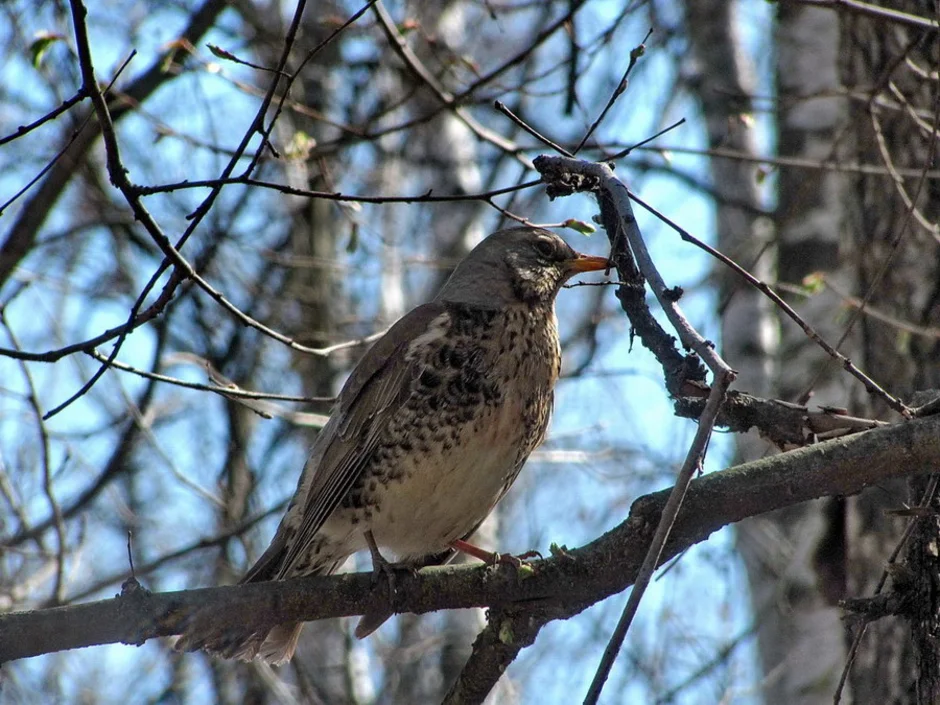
847 246
320 169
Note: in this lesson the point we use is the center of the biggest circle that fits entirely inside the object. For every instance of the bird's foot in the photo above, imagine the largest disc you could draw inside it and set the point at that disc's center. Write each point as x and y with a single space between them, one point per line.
517 561
492 558
382 566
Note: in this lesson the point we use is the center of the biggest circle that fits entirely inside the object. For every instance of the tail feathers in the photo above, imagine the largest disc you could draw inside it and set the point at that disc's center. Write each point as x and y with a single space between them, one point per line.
280 644
275 646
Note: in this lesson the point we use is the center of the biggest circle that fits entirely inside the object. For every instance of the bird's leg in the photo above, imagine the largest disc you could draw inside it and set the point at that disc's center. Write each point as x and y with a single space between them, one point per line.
489 557
380 564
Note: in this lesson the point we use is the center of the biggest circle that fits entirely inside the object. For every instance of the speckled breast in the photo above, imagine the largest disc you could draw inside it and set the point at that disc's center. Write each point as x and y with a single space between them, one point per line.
480 402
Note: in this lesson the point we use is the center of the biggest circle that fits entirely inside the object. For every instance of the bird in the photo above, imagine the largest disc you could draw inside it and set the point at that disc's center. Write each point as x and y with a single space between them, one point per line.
429 431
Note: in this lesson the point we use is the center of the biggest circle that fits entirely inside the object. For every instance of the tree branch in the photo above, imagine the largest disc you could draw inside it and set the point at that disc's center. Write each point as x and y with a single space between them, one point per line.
26 227
565 584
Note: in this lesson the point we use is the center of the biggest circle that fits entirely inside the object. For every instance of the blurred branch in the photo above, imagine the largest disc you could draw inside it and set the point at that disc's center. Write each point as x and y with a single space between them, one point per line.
202 544
563 585
118 463
426 197
23 233
417 68
876 11
51 115
508 630
561 23
42 432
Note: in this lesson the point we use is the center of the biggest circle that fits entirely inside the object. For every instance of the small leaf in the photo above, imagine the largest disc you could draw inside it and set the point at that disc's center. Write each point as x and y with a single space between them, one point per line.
560 552
580 226
40 45
814 282
300 146
525 571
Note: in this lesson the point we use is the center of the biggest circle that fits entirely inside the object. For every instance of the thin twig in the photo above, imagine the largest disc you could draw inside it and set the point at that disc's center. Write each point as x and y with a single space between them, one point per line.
411 60
51 115
926 500
693 463
68 144
870 385
642 143
501 107
635 54
617 215
426 197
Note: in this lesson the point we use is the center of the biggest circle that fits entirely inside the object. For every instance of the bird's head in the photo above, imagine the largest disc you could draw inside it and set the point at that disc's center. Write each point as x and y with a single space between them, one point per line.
516 265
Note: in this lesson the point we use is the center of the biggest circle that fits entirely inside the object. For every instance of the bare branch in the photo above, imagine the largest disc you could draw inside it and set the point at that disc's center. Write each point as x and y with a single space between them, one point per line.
573 580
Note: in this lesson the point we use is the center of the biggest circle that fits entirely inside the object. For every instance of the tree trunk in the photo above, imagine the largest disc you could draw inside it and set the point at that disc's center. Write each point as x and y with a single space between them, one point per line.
893 232
799 633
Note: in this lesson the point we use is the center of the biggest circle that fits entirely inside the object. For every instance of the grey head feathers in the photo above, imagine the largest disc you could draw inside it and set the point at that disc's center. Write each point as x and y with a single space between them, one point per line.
516 265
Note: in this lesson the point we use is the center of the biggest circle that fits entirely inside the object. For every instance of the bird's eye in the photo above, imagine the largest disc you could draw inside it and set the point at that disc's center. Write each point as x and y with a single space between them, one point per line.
546 248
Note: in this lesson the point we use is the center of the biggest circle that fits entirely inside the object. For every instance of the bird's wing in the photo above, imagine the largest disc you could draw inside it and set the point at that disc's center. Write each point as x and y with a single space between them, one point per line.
376 389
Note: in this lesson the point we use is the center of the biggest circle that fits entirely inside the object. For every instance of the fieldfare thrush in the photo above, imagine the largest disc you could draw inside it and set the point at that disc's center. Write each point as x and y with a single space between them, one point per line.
429 431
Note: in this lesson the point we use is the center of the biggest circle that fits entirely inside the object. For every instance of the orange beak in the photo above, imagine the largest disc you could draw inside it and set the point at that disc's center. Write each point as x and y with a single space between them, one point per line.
587 263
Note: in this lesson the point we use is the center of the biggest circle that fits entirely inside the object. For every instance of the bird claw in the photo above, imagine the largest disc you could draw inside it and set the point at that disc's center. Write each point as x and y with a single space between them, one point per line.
382 566
492 558
516 562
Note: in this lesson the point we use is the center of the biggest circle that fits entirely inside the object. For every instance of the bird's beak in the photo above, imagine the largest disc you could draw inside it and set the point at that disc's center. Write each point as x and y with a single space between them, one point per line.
587 263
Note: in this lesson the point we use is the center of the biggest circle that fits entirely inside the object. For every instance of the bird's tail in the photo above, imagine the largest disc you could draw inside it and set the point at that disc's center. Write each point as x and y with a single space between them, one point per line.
274 645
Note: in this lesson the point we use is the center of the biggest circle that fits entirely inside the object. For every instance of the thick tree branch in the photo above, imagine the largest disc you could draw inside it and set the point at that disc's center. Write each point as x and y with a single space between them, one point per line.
565 584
